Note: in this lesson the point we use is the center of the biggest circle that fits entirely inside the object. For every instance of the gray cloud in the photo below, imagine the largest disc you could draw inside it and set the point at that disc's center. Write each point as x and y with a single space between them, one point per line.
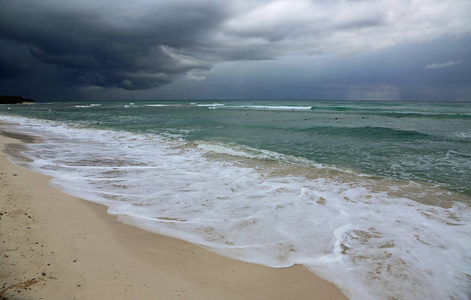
121 48
443 65
142 44
346 27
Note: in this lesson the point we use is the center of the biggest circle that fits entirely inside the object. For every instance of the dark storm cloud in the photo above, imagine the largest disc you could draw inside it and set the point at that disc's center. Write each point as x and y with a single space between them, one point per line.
134 50
144 44
14 60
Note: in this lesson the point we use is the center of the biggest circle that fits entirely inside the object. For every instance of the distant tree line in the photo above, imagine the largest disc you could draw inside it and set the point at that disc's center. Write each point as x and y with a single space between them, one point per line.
14 100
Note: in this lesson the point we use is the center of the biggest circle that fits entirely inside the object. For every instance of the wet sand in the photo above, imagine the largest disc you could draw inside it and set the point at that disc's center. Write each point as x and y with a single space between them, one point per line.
55 246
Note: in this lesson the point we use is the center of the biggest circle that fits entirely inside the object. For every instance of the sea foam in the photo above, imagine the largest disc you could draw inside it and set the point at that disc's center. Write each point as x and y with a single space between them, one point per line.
367 235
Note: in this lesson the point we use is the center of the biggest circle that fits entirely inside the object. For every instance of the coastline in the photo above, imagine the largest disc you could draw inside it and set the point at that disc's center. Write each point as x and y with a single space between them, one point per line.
55 246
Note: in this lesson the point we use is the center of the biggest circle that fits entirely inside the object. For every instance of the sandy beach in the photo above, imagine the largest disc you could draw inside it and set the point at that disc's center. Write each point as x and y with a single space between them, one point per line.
55 246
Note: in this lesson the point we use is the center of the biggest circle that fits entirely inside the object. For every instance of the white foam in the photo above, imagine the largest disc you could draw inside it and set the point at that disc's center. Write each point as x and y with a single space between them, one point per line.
212 105
91 105
463 134
161 105
371 243
237 150
265 107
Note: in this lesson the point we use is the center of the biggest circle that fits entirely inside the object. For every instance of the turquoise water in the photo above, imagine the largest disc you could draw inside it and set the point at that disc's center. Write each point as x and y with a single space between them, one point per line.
373 196
420 141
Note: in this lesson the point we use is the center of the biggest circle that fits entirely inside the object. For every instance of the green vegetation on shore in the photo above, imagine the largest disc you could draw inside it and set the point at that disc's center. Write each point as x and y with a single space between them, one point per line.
14 100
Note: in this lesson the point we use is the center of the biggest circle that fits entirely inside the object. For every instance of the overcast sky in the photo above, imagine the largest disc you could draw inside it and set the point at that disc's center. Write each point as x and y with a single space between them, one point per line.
56 50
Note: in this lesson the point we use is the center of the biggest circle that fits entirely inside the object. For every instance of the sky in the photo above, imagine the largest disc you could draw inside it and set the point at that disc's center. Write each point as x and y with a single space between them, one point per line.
103 50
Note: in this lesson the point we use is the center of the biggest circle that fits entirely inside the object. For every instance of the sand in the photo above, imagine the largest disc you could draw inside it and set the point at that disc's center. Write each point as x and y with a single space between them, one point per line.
55 246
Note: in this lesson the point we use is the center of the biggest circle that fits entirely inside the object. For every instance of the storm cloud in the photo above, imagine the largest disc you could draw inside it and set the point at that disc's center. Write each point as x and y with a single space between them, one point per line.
144 44
108 44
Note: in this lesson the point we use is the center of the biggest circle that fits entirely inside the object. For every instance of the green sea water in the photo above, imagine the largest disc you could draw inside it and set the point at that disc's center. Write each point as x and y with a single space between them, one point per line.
373 196
419 141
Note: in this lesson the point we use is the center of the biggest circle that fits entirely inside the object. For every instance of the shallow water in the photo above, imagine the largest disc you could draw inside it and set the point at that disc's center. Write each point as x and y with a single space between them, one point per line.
372 196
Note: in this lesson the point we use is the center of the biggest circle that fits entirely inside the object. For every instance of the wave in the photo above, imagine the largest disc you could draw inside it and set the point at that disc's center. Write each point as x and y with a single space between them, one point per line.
161 105
264 107
463 135
369 132
91 105
393 114
385 112
208 105
427 115
244 151
360 233
345 108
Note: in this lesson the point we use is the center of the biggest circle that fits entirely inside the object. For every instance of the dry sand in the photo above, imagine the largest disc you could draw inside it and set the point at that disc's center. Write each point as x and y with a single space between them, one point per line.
55 246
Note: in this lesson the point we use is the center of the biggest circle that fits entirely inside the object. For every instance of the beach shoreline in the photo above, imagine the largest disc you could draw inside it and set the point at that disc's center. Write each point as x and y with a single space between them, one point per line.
55 246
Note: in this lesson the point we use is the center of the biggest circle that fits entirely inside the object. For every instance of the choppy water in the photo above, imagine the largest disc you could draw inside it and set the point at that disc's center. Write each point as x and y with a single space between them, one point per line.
375 197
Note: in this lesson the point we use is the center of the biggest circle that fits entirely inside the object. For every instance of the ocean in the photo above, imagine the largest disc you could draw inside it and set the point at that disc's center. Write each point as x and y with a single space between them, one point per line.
372 196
